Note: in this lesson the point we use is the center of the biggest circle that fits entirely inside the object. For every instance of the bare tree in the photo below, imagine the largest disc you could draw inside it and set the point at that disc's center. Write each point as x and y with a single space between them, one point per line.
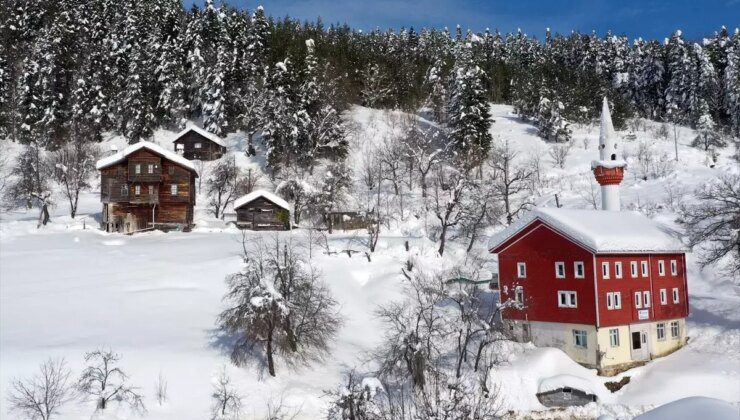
279 306
202 170
73 165
41 396
559 153
223 186
227 402
425 151
714 222
336 183
510 180
589 191
160 389
29 182
446 201
106 382
251 181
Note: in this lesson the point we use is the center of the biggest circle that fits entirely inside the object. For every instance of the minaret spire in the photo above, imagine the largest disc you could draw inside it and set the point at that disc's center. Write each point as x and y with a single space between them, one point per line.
609 169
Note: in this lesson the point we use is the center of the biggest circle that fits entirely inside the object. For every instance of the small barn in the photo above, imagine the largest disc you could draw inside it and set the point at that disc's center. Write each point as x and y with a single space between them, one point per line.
262 210
196 143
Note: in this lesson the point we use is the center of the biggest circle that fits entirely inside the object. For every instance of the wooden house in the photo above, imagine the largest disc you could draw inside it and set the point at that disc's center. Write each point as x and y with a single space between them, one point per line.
195 143
347 220
262 210
145 187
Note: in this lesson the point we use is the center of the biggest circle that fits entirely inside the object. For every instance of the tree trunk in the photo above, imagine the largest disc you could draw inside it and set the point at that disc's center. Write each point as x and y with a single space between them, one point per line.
270 361
43 215
442 240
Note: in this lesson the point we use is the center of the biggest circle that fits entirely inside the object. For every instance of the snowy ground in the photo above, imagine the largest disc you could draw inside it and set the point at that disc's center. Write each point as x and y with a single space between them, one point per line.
153 297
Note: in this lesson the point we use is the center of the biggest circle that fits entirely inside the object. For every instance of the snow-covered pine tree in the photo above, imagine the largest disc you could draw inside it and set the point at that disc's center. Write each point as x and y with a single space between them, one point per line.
732 83
172 106
437 86
375 91
679 69
468 114
707 136
647 78
214 94
281 127
550 123
705 91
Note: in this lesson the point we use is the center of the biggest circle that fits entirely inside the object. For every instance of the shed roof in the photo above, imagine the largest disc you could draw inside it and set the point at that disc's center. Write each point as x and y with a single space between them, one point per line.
261 193
155 148
210 136
600 231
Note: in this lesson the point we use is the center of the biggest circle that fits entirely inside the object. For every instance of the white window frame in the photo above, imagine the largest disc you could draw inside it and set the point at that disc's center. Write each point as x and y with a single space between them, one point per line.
663 297
614 337
521 270
137 168
633 269
150 168
519 295
617 300
618 270
571 299
605 269
137 189
610 300
676 298
583 335
150 189
173 189
661 268
644 270
198 146
124 190
675 330
638 300
576 266
674 268
660 331
646 301
560 266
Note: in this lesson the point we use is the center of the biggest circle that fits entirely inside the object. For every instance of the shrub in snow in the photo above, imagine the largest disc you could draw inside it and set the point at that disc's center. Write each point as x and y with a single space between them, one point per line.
41 396
227 402
104 381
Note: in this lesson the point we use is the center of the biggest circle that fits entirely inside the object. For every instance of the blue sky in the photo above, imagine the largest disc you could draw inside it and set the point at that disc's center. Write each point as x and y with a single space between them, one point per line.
635 18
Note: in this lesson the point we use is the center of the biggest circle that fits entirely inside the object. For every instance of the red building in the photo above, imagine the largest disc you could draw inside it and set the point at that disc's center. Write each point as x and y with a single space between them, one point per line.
607 286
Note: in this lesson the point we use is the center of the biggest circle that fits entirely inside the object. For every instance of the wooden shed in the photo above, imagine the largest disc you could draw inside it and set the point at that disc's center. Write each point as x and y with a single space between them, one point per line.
145 187
262 210
195 143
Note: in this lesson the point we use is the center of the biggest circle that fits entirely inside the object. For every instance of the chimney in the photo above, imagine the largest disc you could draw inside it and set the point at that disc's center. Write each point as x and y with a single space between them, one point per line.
609 169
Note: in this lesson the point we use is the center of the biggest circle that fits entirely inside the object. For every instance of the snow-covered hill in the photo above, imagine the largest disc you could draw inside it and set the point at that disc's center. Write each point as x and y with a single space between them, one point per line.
69 288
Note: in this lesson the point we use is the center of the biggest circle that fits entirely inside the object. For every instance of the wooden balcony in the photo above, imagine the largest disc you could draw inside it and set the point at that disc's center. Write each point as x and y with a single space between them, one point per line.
144 199
144 177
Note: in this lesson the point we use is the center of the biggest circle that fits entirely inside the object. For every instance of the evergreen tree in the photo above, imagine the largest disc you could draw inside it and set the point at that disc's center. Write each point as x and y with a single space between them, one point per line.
281 128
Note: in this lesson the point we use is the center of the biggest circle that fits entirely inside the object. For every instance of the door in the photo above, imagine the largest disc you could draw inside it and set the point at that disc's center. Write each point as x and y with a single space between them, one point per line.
639 342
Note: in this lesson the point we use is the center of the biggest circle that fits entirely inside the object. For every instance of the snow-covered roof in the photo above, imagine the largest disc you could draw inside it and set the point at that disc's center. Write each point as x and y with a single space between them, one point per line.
155 148
600 231
210 136
261 193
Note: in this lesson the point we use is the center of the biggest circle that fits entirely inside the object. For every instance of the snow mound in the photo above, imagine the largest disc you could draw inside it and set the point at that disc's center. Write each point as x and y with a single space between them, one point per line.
599 230
693 408
619 163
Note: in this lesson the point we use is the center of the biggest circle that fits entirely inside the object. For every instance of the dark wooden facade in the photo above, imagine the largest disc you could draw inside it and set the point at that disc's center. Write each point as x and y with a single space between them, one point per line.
348 220
146 190
262 214
194 145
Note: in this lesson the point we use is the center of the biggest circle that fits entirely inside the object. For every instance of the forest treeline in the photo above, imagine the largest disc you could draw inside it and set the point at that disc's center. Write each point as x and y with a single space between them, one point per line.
72 69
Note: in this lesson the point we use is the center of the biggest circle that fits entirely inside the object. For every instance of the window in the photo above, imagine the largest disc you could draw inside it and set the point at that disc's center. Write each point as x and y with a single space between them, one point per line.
521 270
173 189
618 270
560 270
674 268
617 300
633 269
644 265
674 329
137 169
661 268
150 168
580 338
605 270
614 337
578 269
675 295
646 299
638 300
663 297
151 190
610 300
519 295
137 190
124 190
660 330
171 170
567 299
197 145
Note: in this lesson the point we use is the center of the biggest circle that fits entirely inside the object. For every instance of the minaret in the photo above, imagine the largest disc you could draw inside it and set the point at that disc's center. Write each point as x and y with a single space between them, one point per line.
609 169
